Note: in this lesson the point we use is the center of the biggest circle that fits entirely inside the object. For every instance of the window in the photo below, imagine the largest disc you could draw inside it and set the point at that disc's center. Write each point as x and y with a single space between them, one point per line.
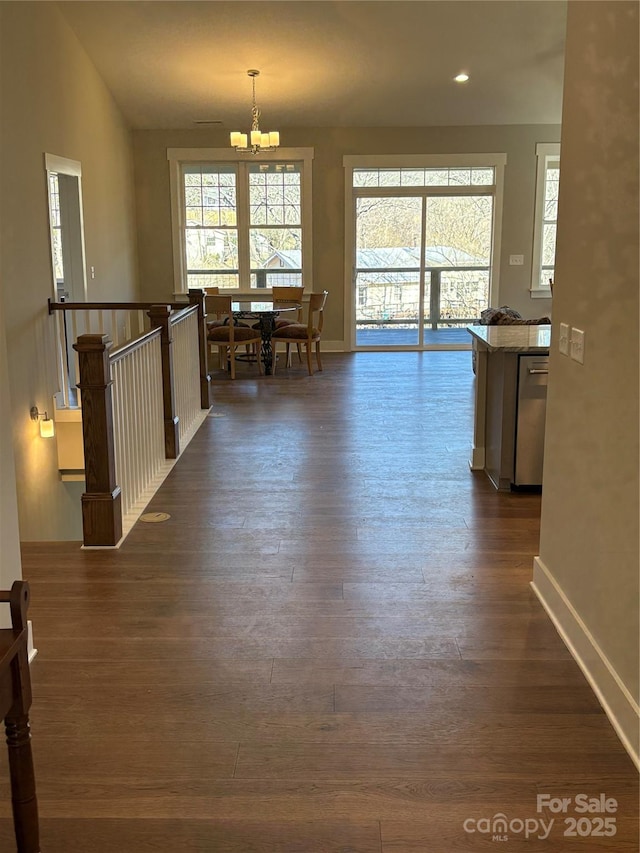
434 177
241 225
64 191
546 215
56 229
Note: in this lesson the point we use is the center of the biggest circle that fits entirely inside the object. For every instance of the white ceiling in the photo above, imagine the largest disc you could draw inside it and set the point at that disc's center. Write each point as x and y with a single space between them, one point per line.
328 64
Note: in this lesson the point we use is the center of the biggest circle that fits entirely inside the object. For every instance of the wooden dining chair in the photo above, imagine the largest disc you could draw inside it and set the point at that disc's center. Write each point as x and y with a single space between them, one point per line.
289 295
226 337
212 318
306 335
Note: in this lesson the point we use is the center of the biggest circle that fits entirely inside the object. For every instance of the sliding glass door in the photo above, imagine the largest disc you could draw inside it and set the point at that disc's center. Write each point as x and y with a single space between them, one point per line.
423 245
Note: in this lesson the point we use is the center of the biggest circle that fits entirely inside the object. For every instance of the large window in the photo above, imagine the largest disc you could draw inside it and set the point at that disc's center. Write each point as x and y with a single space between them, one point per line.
546 216
241 225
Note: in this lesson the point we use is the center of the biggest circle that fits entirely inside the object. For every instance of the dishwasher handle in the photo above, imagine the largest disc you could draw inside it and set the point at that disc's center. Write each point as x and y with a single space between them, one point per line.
536 370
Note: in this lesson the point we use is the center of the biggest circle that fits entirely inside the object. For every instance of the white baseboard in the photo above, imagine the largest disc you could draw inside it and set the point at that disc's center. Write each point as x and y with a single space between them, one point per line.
342 346
477 460
618 703
30 649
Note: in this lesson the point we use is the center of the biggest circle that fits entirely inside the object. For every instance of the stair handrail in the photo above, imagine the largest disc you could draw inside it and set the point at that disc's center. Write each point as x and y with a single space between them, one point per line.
101 502
196 297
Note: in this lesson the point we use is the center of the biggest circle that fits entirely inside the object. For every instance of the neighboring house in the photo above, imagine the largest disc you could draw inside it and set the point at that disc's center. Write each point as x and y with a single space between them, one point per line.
388 285
283 259
386 293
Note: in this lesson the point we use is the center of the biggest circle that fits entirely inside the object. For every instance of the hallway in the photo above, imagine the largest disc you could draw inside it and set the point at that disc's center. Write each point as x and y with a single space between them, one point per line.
330 647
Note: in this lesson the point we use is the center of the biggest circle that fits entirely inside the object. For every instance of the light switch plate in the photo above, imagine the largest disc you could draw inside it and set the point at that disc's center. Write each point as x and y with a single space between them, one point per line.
577 345
563 341
516 260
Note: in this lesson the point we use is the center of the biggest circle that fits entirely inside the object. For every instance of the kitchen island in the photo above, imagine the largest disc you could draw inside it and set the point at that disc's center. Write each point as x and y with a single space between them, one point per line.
510 403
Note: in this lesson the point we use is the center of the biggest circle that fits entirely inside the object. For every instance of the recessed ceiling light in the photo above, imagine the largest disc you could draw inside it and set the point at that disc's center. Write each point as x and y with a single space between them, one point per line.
461 78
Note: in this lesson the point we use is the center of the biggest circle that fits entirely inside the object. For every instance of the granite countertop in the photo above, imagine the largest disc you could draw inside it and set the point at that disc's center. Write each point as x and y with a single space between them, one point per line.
512 338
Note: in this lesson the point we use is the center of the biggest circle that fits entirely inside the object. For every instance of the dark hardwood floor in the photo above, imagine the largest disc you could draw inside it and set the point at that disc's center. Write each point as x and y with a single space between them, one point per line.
330 647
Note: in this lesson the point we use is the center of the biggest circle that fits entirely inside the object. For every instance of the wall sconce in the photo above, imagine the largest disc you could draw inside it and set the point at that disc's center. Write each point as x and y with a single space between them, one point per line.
47 429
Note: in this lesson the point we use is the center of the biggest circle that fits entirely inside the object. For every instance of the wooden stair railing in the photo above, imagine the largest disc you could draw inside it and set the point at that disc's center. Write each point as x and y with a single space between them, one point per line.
160 316
102 500
15 702
196 297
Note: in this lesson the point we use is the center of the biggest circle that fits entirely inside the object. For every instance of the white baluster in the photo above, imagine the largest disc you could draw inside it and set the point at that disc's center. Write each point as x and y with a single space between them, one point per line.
63 376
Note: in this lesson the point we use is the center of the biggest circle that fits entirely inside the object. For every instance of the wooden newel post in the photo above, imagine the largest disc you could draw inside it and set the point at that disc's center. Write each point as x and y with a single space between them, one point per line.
159 316
101 502
198 297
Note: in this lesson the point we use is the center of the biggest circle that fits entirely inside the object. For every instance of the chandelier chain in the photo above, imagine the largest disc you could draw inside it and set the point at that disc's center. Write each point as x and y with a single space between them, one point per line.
255 112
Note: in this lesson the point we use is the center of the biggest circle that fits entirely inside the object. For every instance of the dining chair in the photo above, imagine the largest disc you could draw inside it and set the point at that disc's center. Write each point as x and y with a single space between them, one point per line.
304 334
210 291
224 335
288 295
211 313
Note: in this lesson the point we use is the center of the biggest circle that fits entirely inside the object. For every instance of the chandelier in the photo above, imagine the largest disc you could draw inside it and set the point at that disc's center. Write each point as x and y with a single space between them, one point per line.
260 141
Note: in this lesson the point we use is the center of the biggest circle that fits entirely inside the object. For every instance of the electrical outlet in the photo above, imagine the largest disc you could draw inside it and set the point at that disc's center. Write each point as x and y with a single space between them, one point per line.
93 272
563 342
577 345
516 260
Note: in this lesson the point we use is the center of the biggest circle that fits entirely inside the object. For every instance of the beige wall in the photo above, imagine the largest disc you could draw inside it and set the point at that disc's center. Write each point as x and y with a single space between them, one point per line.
53 101
10 566
589 539
330 145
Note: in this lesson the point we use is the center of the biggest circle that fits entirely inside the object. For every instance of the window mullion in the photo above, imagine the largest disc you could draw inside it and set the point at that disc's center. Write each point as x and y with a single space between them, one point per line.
244 260
422 274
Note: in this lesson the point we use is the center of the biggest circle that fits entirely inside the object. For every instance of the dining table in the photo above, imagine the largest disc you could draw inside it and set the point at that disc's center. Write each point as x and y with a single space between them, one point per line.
266 313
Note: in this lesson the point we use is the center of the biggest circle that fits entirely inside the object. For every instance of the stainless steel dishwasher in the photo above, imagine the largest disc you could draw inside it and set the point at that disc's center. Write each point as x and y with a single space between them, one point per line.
531 410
